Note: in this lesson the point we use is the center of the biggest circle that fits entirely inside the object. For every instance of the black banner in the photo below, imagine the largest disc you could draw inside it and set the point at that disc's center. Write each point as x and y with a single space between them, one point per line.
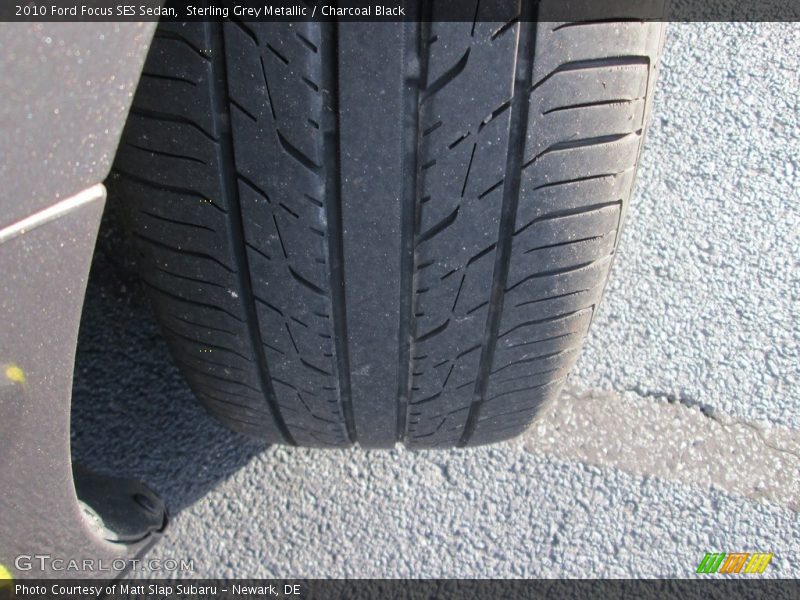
722 588
397 10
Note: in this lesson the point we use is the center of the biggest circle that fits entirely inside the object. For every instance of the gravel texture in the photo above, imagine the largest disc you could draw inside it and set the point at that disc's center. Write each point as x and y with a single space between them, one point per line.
704 300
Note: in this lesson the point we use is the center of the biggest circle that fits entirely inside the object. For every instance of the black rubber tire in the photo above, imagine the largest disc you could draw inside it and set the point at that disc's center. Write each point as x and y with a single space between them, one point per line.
376 233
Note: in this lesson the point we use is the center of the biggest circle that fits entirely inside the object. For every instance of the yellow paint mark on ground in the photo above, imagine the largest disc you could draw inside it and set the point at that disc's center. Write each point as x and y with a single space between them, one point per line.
15 374
5 576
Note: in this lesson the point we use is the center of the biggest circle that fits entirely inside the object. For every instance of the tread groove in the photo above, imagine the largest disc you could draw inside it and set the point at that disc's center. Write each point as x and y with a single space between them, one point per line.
219 96
469 168
174 78
594 63
178 250
581 143
182 191
168 34
552 319
247 31
207 305
570 212
201 325
433 332
176 221
415 65
561 271
296 154
446 77
163 153
266 87
438 227
512 181
305 282
590 104
158 115
333 210
188 278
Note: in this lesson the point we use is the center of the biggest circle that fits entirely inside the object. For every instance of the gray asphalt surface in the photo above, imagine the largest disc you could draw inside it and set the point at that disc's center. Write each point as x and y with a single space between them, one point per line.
702 312
704 302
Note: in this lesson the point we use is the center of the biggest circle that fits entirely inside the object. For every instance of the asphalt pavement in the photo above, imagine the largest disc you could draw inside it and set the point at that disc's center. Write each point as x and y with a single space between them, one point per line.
677 435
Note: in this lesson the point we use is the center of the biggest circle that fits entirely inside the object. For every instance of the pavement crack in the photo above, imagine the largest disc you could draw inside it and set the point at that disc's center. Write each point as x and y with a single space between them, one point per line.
706 409
727 422
676 437
709 412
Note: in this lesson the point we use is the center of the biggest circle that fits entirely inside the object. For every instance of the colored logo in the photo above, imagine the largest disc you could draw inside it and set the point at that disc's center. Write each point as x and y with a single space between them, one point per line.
6 583
738 562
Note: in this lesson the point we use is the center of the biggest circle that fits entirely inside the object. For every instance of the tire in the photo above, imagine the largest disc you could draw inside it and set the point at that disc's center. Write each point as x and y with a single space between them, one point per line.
372 233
